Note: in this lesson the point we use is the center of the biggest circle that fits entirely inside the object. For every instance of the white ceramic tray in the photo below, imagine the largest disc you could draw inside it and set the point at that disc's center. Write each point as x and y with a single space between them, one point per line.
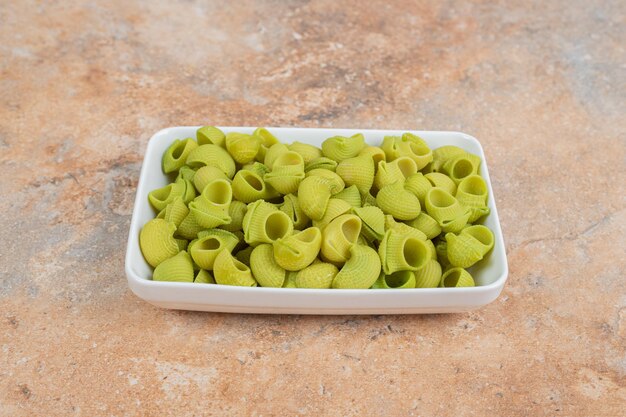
490 275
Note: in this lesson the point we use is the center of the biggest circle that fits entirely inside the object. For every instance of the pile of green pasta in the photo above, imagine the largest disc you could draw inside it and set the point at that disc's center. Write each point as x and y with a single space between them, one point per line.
247 210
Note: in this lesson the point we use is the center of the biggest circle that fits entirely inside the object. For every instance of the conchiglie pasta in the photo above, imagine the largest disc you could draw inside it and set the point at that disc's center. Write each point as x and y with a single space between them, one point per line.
248 186
291 207
210 135
297 251
446 210
402 228
372 220
317 275
335 182
157 242
161 197
395 200
457 277
242 147
399 252
236 212
321 163
178 268
189 227
306 151
287 173
390 147
397 170
357 171
426 224
229 271
176 211
190 191
375 153
256 167
472 193
399 280
419 185
442 154
470 246
414 147
442 181
209 244
351 195
210 209
429 276
185 173
313 195
176 155
339 148
264 223
334 209
338 237
273 152
266 139
461 166
204 277
212 155
360 271
265 269
206 174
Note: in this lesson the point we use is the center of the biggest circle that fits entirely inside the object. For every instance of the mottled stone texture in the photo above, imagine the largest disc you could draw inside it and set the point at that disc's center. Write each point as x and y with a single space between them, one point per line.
84 85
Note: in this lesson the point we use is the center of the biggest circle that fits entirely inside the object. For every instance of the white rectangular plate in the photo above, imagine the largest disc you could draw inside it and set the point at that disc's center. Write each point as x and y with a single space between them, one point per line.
490 275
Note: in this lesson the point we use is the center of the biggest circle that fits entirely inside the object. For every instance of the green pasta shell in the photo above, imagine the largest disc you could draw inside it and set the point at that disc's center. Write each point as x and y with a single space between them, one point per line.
357 171
204 277
399 252
178 268
267 140
339 148
265 269
313 195
335 182
419 185
395 200
229 271
442 154
157 242
291 207
242 147
190 191
287 173
176 155
212 155
470 246
446 210
456 277
390 147
244 255
375 153
209 244
402 228
248 186
204 175
429 276
442 253
297 251
182 244
161 197
339 236
321 163
290 280
433 250
351 195
210 209
472 193
426 224
399 280
397 170
306 151
439 180
273 153
185 173
210 135
256 167
415 148
372 220
236 212
461 166
334 209
318 275
360 271
264 223
176 211
368 200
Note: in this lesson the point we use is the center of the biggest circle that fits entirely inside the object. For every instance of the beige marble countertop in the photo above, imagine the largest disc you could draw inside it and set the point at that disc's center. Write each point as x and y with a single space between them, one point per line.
83 85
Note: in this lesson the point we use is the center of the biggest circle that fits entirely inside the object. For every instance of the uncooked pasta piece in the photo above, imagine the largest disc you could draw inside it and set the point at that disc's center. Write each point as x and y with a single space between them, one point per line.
267 140
426 224
265 269
185 173
334 209
178 268
190 191
375 153
273 152
399 279
368 200
242 147
290 280
351 195
395 200
189 227
338 237
419 185
321 163
317 275
339 148
390 147
212 155
297 251
256 167
461 166
357 171
442 154
433 250
229 271
313 195
243 255
456 277
372 220
157 242
176 211
182 244
399 252
402 228
264 223
248 186
210 135
472 193
209 244
360 271
429 276
204 277
397 170
176 155
442 253
161 197
205 175
470 246
308 152
287 173
236 211
335 182
446 210
439 180
414 147
291 207
210 209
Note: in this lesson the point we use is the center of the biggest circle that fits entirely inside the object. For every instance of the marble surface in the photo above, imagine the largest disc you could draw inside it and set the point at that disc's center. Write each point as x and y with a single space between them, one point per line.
83 85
